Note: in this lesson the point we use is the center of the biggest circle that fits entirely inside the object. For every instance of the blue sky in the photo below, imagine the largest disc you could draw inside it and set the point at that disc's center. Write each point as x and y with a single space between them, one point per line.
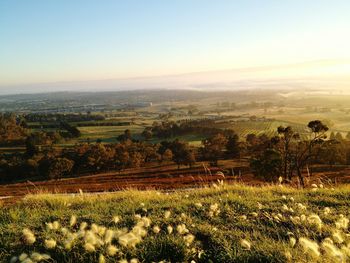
67 40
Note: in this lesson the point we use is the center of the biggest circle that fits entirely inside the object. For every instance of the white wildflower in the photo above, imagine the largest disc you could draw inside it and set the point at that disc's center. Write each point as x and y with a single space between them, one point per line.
332 251
337 237
50 243
245 244
55 225
169 229
342 222
109 236
112 250
243 217
49 226
138 216
101 259
288 255
89 247
28 236
83 225
326 211
156 229
292 241
301 206
310 247
182 229
23 256
73 220
315 220
189 239
167 214
116 219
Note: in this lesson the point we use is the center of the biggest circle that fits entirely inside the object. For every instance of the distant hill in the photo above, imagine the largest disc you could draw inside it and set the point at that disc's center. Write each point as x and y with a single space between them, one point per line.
326 74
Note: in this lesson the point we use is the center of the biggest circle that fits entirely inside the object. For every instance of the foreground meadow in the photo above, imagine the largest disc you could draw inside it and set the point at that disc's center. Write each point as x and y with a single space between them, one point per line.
223 223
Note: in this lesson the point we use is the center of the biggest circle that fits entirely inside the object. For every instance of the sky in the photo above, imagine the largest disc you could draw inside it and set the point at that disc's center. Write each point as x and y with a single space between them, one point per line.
61 41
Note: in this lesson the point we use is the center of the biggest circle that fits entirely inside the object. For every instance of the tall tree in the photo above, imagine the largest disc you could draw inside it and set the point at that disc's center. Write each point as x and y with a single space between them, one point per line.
232 146
213 148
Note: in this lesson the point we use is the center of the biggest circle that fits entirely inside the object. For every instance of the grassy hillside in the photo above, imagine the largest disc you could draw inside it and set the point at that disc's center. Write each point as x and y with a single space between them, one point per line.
219 224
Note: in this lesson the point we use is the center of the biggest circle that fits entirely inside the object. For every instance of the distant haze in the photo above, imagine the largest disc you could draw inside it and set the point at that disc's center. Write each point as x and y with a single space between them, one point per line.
325 74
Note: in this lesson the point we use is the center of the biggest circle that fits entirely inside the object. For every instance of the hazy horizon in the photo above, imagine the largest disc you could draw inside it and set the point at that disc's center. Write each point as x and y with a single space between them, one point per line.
322 74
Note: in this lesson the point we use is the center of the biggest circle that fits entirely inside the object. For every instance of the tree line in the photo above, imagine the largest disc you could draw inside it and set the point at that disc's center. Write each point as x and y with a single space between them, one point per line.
288 154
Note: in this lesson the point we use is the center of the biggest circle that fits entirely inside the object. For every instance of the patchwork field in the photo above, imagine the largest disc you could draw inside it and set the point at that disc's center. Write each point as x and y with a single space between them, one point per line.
218 224
107 133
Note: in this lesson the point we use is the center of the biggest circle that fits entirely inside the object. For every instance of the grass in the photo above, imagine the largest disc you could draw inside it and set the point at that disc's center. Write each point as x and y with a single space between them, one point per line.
234 223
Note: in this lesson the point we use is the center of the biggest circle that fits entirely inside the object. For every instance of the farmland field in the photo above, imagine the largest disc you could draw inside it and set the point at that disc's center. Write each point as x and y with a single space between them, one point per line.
218 224
107 133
